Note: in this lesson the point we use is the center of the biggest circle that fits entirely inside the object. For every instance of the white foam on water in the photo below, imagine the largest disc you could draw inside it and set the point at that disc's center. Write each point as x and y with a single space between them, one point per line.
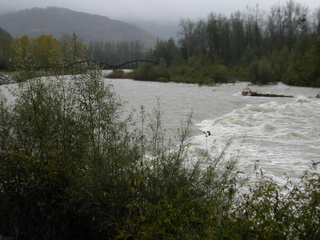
281 137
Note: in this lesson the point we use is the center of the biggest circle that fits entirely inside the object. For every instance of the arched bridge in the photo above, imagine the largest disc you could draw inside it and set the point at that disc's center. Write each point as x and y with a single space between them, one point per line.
105 66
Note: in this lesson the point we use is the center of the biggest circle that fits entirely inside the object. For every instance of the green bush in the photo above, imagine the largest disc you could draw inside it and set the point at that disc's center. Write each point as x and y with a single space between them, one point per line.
217 73
147 72
116 74
262 72
196 70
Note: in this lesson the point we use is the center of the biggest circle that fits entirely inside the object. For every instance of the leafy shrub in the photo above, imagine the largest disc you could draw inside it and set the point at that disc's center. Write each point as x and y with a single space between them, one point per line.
116 74
262 72
147 72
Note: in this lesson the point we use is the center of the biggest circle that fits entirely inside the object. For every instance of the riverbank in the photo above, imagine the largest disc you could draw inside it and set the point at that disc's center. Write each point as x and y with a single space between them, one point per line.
7 78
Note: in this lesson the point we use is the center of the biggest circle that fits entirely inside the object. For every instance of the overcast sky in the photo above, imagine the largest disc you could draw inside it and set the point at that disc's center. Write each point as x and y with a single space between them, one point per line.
151 10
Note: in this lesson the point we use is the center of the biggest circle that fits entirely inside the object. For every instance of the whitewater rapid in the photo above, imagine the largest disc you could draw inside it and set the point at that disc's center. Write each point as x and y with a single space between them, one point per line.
283 138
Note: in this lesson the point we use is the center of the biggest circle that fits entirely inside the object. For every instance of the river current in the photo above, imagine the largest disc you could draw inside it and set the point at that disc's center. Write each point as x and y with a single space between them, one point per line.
281 135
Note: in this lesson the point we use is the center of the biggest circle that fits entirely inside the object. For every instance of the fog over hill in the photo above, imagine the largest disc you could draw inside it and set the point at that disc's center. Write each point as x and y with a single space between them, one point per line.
163 30
58 21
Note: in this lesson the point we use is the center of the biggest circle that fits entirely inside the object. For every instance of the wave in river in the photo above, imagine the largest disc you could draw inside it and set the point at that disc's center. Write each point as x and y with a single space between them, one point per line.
281 137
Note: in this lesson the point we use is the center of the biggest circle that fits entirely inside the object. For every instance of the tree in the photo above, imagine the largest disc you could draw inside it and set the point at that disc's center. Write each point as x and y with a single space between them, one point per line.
114 53
219 38
253 30
201 39
136 49
317 21
46 50
22 56
5 45
214 36
58 143
187 37
279 62
315 63
237 37
73 49
166 50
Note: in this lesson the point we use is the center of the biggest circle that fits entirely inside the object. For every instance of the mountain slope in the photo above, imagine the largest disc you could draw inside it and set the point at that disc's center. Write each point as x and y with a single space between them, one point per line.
58 21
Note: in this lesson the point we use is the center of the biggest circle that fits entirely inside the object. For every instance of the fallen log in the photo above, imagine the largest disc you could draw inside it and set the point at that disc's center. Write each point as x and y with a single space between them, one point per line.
249 92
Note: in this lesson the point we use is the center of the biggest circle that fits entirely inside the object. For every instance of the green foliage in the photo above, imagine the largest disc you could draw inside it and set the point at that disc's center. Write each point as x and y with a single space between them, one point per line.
314 55
167 51
273 212
196 70
303 67
262 72
45 55
116 74
72 49
267 42
147 72
21 53
47 51
282 61
202 71
238 73
73 165
5 43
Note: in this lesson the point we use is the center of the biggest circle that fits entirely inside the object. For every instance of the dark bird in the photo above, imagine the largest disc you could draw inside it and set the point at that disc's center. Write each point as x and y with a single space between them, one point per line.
207 133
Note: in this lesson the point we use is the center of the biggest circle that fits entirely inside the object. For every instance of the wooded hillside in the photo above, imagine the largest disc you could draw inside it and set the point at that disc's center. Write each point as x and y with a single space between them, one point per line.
59 21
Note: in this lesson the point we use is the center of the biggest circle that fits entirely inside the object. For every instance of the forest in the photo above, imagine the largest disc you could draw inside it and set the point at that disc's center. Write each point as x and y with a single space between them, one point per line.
279 45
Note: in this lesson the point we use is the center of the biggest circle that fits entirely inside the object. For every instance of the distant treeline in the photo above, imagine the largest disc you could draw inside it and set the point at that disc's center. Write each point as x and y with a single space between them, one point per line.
45 52
281 44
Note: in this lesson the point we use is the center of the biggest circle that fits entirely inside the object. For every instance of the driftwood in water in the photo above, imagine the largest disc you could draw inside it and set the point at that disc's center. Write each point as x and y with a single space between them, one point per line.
249 92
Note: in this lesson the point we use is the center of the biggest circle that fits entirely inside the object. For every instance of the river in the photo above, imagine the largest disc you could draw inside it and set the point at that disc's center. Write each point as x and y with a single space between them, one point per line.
281 135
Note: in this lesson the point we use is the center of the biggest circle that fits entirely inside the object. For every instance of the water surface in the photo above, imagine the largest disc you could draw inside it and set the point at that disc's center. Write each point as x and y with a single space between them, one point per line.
282 135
